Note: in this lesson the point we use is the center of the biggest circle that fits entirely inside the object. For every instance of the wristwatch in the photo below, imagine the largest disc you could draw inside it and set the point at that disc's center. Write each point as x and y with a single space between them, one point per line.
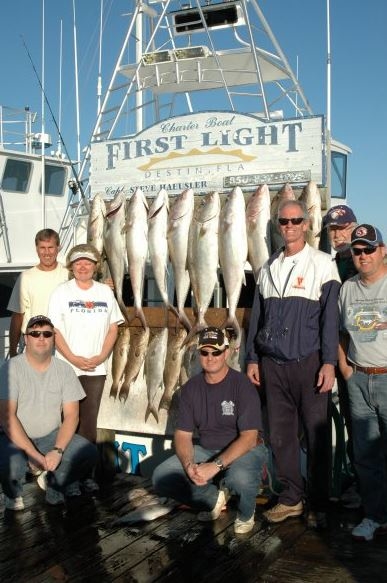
219 464
58 449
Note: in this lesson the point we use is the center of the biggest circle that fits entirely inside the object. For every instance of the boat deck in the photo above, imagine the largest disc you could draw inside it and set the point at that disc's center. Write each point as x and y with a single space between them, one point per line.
79 542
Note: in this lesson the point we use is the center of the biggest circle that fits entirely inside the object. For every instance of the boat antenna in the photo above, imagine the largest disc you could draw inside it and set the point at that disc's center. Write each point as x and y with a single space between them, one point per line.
59 151
42 138
78 183
76 83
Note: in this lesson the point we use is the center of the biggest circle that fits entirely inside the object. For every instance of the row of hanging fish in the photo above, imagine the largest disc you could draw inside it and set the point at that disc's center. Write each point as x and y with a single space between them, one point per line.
161 353
196 240
165 358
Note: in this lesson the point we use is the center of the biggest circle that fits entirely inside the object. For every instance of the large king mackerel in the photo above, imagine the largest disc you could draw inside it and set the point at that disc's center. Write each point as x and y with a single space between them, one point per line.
179 221
154 371
203 256
158 244
136 229
114 245
311 196
96 222
233 254
258 228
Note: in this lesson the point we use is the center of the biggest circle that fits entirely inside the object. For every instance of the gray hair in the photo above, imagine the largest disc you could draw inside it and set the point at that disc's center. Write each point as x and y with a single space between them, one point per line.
299 203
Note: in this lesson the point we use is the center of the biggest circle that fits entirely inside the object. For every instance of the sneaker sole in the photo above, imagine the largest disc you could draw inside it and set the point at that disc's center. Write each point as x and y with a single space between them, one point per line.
276 519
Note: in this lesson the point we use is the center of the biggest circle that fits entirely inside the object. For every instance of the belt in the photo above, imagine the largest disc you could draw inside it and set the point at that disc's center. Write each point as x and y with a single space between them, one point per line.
370 369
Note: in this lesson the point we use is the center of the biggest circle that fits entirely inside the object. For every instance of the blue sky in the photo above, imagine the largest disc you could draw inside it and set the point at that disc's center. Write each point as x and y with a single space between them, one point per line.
359 72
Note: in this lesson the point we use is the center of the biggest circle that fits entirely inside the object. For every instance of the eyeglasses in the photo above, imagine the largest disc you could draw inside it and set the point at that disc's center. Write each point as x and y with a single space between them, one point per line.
37 334
294 221
213 353
366 250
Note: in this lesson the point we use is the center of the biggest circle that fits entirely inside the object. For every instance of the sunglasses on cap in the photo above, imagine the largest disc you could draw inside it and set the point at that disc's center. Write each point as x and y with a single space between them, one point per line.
366 250
204 352
294 221
39 333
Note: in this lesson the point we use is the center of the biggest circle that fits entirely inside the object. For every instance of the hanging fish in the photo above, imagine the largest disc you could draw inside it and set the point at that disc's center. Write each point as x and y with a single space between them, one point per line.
203 257
179 221
119 358
154 369
139 339
136 230
258 228
233 255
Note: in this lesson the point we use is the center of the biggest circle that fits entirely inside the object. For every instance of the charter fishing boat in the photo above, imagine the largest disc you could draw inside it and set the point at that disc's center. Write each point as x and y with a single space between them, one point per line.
34 185
201 97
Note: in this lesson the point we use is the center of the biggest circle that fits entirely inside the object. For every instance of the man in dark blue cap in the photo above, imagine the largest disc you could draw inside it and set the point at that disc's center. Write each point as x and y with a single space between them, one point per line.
362 361
340 221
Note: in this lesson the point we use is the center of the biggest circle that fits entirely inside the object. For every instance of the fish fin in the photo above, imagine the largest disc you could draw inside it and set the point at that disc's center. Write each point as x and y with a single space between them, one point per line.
183 318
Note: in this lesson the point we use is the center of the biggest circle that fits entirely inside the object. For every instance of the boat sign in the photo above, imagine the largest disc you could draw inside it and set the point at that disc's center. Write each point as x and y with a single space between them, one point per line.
210 151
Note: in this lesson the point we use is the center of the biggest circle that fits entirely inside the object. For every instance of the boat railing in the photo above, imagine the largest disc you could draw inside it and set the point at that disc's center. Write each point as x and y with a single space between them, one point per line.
4 231
16 128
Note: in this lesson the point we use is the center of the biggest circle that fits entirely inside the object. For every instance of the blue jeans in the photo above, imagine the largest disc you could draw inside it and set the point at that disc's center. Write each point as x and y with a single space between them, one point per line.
78 458
368 406
242 478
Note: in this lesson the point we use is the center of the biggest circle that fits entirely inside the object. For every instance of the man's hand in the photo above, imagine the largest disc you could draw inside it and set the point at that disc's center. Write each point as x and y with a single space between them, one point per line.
206 471
53 459
326 378
194 476
253 373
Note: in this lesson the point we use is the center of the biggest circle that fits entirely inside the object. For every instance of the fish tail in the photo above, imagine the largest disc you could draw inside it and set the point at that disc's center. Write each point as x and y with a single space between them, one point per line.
197 327
123 310
233 323
165 403
138 313
151 409
183 318
113 391
124 393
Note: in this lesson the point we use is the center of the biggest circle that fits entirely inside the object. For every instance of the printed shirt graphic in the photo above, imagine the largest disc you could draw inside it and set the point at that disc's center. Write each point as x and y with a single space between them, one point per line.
362 308
84 317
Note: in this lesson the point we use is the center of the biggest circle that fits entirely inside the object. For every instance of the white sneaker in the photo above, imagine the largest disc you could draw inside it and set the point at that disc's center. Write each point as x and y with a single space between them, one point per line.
243 526
14 503
367 529
213 514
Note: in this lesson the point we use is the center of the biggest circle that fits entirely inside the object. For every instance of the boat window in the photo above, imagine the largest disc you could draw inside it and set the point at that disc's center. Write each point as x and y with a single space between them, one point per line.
16 175
339 175
55 178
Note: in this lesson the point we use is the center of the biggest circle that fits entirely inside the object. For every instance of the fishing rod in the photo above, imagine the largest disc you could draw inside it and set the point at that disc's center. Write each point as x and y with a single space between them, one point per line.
74 185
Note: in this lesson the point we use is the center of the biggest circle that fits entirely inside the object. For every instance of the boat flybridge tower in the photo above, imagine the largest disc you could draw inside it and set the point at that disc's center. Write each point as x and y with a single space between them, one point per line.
179 60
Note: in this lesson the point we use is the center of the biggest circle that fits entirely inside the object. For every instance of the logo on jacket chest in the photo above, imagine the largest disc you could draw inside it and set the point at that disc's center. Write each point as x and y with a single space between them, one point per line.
299 282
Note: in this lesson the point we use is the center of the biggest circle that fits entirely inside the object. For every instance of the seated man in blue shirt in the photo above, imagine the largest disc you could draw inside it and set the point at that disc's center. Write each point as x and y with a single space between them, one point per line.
223 407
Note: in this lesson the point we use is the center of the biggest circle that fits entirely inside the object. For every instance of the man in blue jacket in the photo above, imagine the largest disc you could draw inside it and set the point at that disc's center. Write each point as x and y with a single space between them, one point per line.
292 350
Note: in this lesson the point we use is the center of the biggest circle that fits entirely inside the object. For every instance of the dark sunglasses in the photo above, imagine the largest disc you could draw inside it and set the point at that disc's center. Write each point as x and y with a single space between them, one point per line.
294 221
38 334
213 353
366 250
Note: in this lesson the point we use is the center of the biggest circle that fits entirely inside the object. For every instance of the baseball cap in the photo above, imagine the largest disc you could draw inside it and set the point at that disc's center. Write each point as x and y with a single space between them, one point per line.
339 215
39 320
213 337
368 235
83 255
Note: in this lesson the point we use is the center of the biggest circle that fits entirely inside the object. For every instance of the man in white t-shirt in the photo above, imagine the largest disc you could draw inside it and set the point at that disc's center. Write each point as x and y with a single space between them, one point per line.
39 414
34 286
